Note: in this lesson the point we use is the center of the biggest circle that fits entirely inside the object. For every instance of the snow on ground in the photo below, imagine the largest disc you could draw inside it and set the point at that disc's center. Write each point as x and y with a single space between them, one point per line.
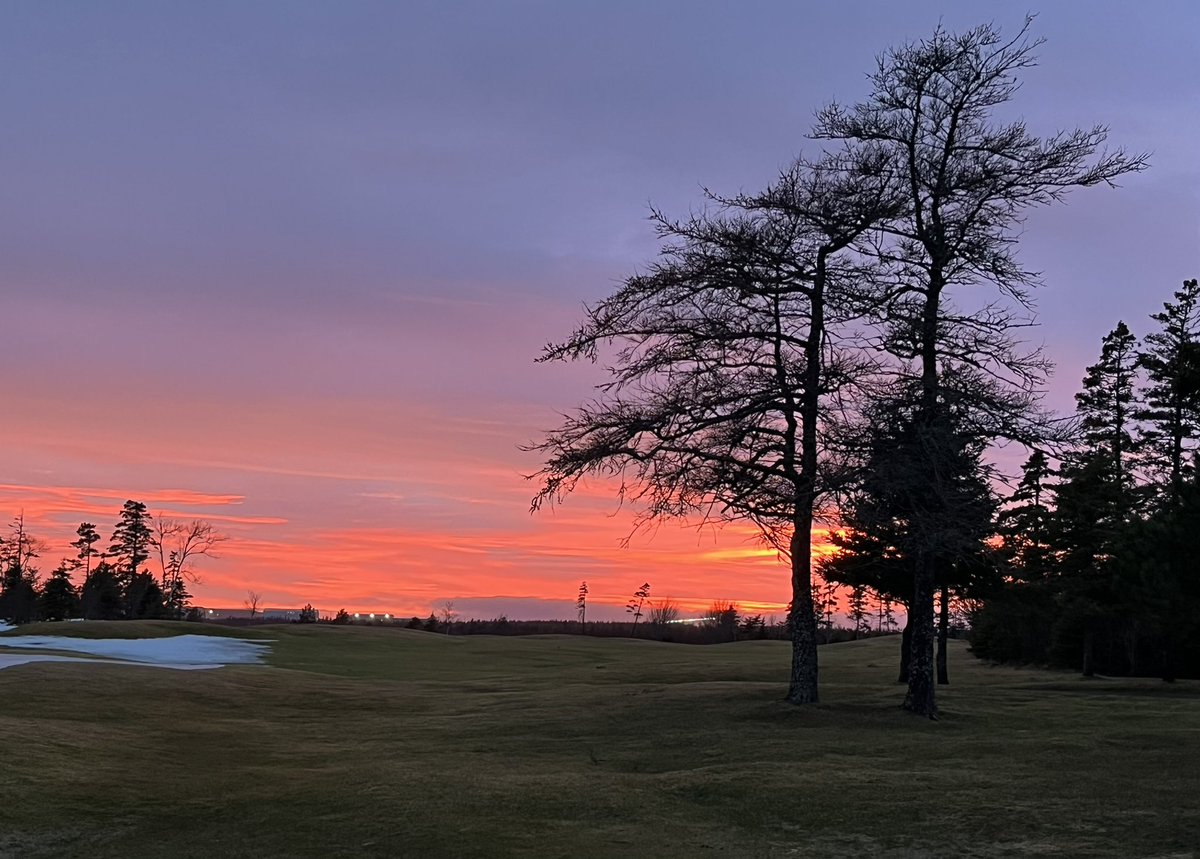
180 651
8 660
5 627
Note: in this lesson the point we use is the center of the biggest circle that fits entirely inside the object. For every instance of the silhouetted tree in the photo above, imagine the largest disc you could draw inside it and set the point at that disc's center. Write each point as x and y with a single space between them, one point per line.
100 595
725 370
18 575
178 545
968 181
1171 410
131 543
1025 524
252 602
635 604
663 612
581 606
722 619
88 538
857 604
59 599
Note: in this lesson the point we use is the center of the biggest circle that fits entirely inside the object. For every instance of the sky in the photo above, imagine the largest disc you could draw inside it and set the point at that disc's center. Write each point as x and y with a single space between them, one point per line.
286 266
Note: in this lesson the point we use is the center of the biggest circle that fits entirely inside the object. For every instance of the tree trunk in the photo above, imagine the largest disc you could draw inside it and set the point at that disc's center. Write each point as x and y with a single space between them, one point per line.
905 648
1168 659
920 697
943 671
803 686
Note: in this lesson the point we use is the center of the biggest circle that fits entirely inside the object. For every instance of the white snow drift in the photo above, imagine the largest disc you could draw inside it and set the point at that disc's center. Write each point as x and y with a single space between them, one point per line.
187 652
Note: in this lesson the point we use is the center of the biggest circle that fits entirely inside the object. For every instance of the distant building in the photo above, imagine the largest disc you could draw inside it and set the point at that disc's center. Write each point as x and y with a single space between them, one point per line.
280 615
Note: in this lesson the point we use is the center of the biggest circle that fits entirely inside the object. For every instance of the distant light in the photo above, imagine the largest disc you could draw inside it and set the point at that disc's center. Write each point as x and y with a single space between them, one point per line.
356 614
387 617
372 615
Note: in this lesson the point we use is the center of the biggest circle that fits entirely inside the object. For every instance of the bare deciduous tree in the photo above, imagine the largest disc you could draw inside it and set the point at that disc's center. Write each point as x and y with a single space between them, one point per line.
663 612
253 602
178 545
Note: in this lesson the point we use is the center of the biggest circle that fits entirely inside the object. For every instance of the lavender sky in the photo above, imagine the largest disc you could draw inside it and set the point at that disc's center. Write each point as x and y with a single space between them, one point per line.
286 266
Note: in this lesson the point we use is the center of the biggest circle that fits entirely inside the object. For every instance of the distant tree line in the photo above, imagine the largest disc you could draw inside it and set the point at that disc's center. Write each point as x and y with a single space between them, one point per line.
142 573
722 622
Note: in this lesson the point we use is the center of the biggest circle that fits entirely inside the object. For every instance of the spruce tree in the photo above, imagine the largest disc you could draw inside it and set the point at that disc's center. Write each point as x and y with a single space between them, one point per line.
1171 409
88 537
59 600
131 542
1024 525
1107 407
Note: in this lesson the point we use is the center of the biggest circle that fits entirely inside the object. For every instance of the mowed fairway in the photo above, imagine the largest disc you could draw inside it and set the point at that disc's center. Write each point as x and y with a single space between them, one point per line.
381 742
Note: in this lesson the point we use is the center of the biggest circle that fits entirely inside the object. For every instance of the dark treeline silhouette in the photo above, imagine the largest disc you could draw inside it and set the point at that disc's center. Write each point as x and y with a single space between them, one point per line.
1100 553
722 623
848 339
143 573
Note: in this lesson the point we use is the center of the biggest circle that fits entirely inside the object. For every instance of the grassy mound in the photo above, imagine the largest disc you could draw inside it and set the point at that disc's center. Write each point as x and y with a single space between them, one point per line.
381 742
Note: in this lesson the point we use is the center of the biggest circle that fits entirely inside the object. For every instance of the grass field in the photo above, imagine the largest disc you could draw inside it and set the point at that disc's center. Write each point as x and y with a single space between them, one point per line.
381 742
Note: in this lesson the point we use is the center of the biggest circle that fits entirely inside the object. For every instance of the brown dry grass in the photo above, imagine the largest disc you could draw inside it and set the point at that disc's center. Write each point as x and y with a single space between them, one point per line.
379 742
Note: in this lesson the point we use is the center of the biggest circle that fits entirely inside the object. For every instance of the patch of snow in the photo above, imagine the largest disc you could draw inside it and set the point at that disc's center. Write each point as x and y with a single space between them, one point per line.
5 627
180 651
8 660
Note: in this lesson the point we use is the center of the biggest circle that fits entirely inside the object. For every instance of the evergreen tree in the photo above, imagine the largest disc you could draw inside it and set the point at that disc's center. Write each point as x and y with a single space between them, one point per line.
581 605
858 610
1096 500
88 537
18 576
1106 405
100 596
1171 411
1025 523
635 604
131 542
59 600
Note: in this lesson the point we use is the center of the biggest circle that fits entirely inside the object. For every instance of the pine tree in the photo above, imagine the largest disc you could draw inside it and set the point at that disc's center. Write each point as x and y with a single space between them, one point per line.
88 537
581 605
131 542
858 610
18 575
1025 523
1171 410
59 599
635 604
1096 500
1106 406
100 596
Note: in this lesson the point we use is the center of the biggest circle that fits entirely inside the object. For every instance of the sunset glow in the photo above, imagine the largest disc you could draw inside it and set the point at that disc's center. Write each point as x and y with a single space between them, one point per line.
289 273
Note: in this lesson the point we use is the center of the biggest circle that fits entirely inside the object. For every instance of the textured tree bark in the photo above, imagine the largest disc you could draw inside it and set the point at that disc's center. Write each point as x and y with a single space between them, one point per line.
803 686
943 671
920 697
905 648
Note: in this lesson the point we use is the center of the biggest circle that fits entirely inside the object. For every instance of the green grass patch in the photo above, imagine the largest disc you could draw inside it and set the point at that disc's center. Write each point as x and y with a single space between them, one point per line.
385 742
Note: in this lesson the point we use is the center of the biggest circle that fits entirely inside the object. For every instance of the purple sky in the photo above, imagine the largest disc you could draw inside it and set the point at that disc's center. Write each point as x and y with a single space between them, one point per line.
303 254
